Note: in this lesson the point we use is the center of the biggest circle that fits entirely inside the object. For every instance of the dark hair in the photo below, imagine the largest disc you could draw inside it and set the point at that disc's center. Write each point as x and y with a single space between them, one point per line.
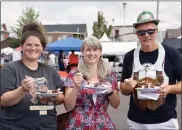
33 29
72 51
61 51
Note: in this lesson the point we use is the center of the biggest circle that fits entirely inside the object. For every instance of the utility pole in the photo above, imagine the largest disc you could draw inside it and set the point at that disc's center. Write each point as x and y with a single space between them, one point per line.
77 32
124 6
157 9
157 17
113 30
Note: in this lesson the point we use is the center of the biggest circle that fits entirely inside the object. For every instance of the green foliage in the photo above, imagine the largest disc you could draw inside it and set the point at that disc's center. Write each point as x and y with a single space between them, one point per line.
14 43
28 15
100 26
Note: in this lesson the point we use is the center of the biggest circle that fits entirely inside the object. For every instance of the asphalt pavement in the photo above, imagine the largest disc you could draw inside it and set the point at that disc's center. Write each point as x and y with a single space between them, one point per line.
119 115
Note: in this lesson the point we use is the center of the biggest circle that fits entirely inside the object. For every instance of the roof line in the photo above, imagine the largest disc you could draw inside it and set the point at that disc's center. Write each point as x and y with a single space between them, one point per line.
66 32
63 24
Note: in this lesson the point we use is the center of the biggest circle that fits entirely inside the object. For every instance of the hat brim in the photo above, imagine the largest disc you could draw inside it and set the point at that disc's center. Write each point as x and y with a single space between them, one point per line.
147 21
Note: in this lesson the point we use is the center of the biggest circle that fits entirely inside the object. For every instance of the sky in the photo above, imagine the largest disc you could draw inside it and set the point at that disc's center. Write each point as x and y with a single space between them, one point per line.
86 12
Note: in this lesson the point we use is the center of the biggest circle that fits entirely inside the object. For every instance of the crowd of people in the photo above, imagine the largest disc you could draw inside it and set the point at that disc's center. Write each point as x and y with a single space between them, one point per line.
149 63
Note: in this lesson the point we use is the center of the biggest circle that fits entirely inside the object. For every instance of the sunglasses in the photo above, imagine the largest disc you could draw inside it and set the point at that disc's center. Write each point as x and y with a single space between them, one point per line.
143 32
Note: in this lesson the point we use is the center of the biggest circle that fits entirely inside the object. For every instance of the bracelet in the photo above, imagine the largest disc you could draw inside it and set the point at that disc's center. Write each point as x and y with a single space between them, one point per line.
109 94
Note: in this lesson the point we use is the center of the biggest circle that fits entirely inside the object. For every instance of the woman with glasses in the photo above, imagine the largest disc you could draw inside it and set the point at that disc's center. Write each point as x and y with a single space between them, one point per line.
158 66
21 107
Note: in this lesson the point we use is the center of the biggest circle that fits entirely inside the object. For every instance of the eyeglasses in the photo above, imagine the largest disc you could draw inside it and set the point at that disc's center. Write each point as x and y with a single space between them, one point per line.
143 32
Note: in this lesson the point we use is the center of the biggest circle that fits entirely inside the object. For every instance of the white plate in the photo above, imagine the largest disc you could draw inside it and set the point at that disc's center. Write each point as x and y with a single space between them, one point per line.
148 90
99 88
48 94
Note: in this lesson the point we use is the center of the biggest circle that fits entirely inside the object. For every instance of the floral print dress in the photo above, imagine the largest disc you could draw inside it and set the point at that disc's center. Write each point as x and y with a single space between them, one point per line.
86 115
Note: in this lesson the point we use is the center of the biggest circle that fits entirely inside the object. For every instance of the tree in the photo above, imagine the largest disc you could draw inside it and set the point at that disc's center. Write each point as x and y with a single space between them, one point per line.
14 43
100 26
28 15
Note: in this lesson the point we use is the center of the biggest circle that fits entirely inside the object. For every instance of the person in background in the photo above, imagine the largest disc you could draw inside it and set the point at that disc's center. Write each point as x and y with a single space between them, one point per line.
84 112
152 60
60 61
21 108
52 59
73 60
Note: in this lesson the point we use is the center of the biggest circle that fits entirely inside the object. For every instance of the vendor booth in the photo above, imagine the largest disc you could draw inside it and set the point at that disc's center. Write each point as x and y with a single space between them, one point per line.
65 45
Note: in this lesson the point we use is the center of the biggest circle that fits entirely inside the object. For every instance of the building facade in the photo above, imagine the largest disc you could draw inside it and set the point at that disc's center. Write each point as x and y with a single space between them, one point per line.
128 34
4 32
63 31
124 33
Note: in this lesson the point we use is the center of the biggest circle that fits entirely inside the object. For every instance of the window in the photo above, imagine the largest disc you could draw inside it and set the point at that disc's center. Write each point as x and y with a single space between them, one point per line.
116 32
75 35
81 37
49 38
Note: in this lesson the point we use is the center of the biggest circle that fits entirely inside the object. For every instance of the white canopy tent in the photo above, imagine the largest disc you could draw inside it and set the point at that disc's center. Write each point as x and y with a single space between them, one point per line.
179 37
104 38
115 48
7 50
16 55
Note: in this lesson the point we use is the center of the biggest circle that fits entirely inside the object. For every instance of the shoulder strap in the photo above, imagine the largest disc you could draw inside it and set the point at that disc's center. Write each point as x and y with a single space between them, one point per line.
136 62
159 64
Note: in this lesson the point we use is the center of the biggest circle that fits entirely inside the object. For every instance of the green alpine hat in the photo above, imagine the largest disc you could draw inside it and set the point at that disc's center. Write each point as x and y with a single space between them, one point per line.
146 17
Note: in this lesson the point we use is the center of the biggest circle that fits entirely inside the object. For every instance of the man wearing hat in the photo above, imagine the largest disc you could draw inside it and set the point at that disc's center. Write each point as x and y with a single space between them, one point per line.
152 65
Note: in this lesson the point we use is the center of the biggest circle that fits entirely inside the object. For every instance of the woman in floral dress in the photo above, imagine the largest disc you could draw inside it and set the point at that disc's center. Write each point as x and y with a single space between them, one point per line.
85 112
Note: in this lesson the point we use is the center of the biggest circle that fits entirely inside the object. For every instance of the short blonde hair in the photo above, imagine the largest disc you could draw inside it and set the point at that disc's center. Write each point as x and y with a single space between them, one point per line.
103 67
